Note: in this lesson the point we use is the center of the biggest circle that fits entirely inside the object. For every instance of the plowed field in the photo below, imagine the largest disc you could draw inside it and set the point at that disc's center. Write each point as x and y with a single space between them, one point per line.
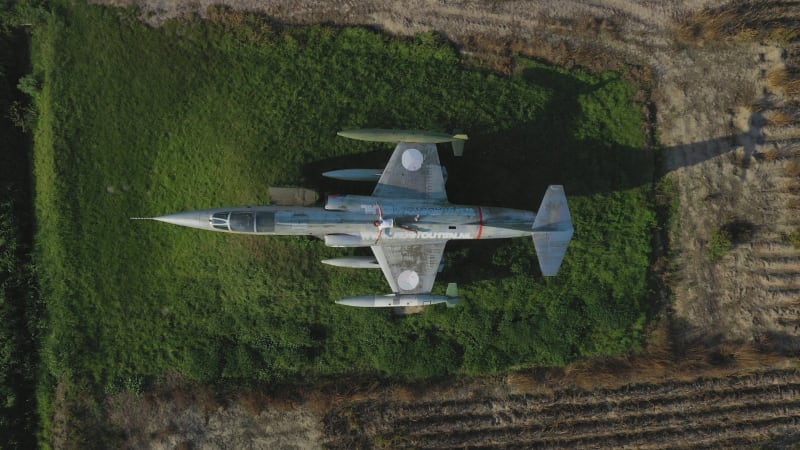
737 411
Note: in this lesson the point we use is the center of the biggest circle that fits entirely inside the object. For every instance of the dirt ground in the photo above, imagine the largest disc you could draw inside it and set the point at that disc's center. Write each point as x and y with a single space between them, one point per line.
720 106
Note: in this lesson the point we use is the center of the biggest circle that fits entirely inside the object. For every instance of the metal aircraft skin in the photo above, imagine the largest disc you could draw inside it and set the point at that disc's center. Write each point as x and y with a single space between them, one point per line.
406 221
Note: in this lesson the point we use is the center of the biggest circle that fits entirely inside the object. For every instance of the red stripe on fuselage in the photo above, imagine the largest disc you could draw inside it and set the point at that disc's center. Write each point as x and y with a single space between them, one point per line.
480 220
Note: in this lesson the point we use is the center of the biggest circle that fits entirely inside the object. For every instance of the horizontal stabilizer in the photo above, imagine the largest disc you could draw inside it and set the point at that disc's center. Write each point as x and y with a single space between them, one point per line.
552 230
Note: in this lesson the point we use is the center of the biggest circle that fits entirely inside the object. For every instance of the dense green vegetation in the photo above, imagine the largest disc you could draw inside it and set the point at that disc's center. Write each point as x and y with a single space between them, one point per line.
18 326
135 121
19 309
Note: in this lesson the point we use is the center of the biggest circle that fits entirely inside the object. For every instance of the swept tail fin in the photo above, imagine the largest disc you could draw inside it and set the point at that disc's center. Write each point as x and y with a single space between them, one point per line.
552 230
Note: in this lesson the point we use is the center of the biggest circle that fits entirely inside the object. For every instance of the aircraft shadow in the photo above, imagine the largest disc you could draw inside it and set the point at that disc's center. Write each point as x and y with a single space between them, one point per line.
512 167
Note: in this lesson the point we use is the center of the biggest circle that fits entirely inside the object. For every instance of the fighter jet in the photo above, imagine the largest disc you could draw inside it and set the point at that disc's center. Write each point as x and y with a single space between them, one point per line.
407 220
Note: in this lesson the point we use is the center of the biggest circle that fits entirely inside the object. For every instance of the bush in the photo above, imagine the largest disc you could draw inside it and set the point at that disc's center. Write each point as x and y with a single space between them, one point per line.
793 238
719 244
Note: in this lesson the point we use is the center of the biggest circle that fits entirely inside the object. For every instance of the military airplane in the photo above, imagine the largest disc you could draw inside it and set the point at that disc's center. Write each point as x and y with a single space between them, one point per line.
406 221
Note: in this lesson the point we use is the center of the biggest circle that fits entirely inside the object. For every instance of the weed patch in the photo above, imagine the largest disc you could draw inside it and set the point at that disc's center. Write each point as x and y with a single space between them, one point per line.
719 244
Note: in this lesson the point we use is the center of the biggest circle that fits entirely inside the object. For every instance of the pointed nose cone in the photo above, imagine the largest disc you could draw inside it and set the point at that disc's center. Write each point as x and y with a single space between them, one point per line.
192 219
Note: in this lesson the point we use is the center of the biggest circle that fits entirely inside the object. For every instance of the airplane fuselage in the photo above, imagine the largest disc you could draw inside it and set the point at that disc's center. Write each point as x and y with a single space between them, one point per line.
351 223
407 221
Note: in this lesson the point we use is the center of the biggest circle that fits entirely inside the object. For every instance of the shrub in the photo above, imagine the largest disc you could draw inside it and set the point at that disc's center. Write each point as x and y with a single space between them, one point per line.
719 244
793 238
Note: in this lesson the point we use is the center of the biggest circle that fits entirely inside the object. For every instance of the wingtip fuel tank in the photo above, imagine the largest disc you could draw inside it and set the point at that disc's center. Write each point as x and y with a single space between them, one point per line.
397 301
354 174
354 262
413 136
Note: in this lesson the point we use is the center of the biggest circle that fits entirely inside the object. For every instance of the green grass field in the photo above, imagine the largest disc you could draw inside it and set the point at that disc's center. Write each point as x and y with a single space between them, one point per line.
135 121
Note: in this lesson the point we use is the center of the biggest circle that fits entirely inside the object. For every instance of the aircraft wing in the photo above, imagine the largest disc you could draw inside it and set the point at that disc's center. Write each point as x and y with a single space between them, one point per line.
410 268
413 172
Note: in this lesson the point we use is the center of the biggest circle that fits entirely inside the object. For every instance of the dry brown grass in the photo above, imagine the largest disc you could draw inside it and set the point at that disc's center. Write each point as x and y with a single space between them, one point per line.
498 52
704 26
402 393
773 154
254 402
206 400
528 383
658 362
181 397
226 16
792 169
793 204
740 158
748 357
770 155
605 27
326 397
59 428
779 118
792 187
591 374
320 402
247 27
738 21
783 34
781 80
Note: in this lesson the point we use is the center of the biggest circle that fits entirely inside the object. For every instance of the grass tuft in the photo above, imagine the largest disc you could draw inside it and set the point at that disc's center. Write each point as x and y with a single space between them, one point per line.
782 81
780 118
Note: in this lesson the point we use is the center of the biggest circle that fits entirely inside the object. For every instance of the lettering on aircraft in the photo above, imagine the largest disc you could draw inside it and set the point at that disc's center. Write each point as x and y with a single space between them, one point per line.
423 210
442 235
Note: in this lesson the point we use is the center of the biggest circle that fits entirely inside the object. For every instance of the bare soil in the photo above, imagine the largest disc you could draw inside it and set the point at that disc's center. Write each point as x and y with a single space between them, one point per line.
731 412
740 399
182 415
723 107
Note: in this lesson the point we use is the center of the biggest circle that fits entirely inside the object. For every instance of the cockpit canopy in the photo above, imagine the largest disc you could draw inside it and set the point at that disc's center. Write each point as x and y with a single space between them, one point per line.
244 221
